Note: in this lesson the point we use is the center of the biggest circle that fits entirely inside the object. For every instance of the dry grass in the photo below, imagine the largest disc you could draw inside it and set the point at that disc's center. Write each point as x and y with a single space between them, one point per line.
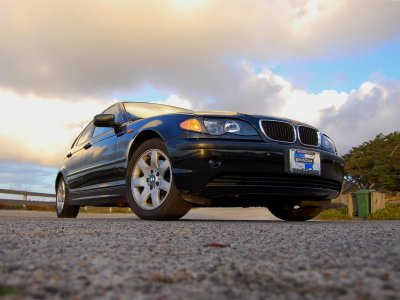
334 214
105 210
391 212
28 207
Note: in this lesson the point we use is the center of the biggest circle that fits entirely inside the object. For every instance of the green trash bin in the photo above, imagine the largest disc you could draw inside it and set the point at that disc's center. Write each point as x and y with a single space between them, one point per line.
363 203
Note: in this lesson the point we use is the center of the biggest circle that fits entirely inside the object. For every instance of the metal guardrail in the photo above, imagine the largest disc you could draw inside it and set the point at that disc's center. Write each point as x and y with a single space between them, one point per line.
25 200
26 203
26 193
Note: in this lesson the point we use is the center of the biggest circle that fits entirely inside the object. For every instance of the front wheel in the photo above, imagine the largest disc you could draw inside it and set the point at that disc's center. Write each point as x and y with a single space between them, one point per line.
152 193
63 209
294 211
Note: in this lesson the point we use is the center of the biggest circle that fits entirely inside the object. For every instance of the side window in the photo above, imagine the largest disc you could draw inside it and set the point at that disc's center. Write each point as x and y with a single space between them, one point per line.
114 110
86 134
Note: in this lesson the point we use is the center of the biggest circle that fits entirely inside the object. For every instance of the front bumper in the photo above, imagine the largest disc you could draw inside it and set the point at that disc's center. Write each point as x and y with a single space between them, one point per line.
250 169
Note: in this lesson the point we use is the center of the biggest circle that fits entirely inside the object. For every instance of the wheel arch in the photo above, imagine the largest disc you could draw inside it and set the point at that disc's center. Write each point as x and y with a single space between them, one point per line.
59 176
141 137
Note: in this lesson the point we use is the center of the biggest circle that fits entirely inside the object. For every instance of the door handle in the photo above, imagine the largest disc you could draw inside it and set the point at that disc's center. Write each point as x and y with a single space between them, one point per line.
69 155
87 146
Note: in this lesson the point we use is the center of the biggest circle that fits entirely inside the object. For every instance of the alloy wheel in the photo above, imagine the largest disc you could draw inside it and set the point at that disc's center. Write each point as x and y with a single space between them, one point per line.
60 197
151 179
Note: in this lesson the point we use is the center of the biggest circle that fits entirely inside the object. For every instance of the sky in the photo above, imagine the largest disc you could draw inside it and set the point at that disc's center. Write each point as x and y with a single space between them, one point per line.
332 64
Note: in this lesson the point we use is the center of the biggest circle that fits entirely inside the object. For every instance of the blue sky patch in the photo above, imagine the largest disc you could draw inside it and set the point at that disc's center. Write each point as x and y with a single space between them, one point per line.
344 72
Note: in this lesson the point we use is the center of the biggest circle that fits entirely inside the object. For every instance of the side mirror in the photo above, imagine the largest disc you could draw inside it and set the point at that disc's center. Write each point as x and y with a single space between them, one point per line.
104 120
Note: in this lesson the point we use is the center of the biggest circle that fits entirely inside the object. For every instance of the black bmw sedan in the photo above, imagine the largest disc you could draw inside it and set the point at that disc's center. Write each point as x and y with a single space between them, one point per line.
162 160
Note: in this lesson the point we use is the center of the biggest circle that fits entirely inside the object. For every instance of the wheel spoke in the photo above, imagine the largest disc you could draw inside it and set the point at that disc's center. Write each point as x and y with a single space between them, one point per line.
165 185
155 197
144 166
139 182
144 196
154 159
164 166
60 198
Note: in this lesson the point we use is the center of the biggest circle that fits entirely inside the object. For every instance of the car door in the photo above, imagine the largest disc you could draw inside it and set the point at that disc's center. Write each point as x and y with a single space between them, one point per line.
72 163
98 159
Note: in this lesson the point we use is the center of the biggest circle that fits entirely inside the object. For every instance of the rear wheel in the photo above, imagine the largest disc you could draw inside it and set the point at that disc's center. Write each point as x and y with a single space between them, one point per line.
295 211
152 193
63 209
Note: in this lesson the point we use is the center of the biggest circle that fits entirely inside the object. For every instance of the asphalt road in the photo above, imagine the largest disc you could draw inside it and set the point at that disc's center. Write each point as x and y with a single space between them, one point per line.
121 257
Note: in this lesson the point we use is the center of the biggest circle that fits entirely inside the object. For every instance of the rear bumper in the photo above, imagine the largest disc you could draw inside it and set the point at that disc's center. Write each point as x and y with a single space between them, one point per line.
249 170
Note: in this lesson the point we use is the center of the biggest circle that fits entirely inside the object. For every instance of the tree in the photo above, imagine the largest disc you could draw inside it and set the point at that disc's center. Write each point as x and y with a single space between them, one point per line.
375 164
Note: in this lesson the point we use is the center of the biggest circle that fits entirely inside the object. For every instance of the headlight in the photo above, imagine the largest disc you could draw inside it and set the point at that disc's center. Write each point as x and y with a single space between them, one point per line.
222 126
327 144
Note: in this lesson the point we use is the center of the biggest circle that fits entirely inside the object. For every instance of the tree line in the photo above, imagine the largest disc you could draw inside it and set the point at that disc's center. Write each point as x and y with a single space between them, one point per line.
374 164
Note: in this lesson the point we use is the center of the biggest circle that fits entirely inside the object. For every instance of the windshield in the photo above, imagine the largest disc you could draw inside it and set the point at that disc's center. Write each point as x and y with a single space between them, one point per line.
140 110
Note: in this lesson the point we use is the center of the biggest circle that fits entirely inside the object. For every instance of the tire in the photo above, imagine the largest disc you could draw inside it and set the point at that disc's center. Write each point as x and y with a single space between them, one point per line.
294 211
151 192
63 209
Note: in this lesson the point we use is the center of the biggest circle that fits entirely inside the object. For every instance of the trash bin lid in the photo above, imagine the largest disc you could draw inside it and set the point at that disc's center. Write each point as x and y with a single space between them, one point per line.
362 192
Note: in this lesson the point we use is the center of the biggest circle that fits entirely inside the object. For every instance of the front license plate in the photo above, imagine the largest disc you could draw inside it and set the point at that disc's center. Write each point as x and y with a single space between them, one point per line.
305 162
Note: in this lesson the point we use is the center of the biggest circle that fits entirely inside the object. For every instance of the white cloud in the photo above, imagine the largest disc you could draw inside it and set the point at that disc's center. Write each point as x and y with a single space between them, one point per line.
306 107
175 100
67 48
38 130
371 109
299 104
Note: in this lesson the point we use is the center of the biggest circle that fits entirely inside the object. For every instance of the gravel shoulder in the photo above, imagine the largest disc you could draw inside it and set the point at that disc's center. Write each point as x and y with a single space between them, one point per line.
121 257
